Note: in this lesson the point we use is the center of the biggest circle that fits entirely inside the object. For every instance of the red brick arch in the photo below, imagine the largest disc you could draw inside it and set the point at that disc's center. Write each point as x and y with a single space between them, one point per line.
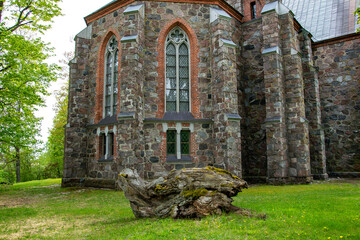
194 63
100 74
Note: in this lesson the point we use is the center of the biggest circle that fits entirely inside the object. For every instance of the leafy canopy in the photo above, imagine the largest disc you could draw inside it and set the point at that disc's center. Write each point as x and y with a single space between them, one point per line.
24 75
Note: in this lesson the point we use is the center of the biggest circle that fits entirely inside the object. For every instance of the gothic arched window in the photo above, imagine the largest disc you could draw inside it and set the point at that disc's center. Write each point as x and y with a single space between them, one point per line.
177 81
111 77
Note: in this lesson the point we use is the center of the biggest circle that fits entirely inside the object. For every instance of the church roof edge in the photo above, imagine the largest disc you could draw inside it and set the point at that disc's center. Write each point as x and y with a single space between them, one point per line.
116 4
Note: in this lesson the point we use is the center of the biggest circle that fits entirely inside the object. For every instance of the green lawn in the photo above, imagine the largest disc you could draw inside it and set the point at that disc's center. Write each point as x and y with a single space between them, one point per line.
43 210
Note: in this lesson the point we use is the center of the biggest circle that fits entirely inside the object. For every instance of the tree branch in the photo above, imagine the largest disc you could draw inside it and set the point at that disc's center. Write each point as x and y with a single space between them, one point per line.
1 6
4 69
7 163
21 19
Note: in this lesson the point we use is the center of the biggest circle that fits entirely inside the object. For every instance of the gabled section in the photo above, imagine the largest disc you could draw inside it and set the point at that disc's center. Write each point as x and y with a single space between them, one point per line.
114 5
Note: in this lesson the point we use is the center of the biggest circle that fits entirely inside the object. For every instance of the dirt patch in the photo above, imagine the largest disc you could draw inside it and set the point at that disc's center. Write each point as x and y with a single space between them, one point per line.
16 202
344 180
47 228
50 186
33 227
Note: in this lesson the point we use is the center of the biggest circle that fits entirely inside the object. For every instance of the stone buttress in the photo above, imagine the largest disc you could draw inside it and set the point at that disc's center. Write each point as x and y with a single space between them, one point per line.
288 153
75 149
130 128
226 127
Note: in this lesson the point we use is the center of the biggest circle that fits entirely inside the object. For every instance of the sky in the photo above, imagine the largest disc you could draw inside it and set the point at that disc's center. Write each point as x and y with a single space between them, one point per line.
61 36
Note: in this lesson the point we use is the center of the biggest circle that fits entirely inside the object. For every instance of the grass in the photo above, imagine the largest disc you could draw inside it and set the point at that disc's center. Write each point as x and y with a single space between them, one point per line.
43 210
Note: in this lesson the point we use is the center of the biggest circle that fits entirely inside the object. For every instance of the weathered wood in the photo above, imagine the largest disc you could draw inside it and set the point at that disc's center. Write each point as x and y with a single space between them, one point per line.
186 193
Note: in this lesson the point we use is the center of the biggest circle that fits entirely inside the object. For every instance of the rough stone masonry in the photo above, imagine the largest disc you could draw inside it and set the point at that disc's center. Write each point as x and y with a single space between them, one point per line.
158 86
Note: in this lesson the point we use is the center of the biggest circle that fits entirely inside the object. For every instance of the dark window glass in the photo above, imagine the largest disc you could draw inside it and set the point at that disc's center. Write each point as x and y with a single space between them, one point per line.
111 144
253 10
170 77
103 145
171 142
185 142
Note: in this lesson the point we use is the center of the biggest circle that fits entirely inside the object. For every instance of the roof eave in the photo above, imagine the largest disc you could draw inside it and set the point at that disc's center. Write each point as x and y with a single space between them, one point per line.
116 4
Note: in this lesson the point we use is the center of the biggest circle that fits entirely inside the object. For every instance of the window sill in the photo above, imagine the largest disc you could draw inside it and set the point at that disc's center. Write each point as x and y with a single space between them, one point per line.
173 159
104 160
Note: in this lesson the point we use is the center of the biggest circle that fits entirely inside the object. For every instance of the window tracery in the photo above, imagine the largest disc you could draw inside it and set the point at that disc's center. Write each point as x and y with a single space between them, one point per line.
111 78
177 81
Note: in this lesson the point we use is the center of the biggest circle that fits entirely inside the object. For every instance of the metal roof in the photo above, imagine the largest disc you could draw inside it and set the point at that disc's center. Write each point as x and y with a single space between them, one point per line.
324 18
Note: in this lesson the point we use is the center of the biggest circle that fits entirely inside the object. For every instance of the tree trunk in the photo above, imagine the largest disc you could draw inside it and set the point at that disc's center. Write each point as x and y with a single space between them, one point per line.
17 157
1 6
186 193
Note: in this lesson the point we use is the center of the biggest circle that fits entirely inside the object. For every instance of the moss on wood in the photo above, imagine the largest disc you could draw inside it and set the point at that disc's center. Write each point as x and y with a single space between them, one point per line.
195 193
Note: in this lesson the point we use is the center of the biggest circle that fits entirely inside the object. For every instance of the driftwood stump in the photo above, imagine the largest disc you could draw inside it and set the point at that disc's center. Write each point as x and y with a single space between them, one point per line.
186 193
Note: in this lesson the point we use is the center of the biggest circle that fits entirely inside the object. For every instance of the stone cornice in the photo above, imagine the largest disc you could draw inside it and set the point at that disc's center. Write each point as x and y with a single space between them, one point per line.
121 3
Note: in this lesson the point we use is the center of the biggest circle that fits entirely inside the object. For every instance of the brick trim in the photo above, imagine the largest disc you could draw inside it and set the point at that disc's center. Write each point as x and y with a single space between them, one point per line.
99 141
98 147
297 25
194 63
118 4
100 74
247 9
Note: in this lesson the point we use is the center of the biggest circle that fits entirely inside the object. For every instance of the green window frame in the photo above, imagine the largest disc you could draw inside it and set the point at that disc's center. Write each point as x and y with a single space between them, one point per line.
185 142
178 144
171 142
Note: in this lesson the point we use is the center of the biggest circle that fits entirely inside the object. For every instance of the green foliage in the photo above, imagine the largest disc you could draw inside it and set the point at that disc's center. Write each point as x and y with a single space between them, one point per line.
318 211
6 177
55 144
357 12
24 76
52 158
30 15
30 167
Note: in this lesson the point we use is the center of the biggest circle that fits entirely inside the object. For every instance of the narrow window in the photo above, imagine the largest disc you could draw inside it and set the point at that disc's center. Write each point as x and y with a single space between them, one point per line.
111 144
178 143
171 142
107 146
185 142
253 10
103 146
111 78
177 71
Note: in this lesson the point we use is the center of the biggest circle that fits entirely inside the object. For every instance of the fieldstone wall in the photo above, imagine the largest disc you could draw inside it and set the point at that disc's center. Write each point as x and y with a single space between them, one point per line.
75 149
276 135
225 52
252 87
312 107
142 144
297 124
130 134
339 80
296 104
287 134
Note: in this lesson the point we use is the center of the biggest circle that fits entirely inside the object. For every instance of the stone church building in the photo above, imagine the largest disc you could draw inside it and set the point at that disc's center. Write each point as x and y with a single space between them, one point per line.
268 90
